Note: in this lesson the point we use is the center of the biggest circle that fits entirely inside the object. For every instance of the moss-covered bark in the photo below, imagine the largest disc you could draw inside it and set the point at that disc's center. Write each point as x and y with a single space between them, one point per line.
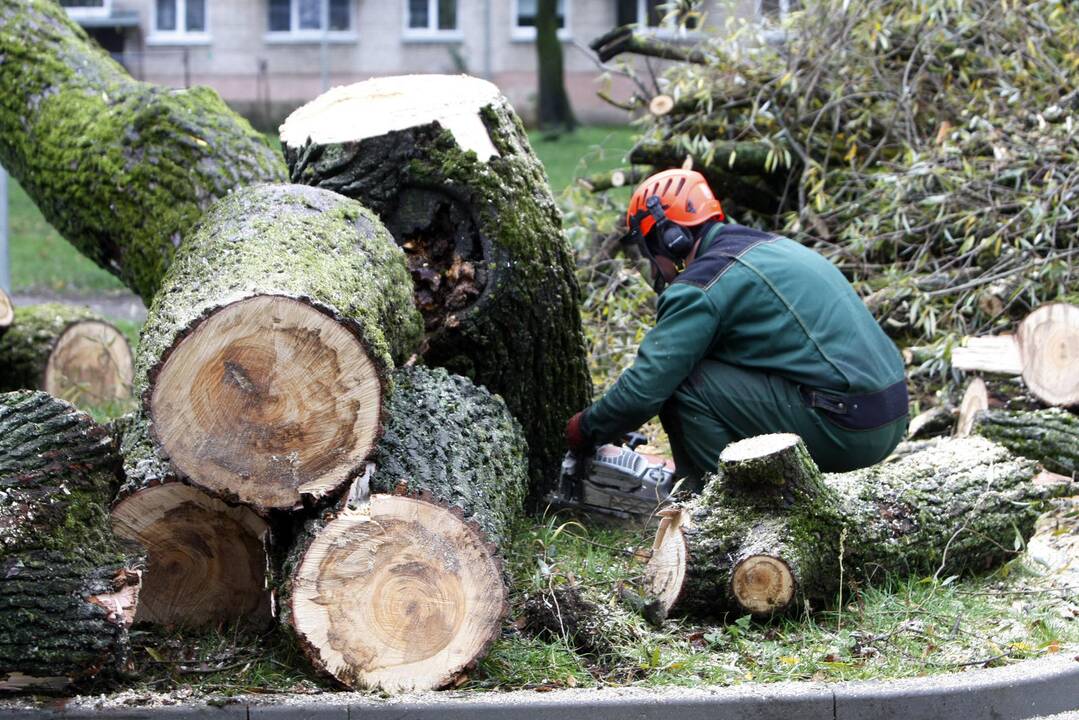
121 168
25 349
67 587
1049 436
521 337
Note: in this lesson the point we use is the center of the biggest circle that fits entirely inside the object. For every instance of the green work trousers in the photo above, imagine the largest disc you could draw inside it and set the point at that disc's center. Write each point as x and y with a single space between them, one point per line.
721 403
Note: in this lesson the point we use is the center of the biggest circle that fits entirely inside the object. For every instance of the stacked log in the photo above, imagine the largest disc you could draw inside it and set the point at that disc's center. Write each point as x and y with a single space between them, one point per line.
402 587
770 533
68 587
69 352
446 164
122 169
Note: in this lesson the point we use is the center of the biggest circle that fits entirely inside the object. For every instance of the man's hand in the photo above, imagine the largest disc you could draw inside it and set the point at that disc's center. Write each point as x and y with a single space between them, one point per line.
575 438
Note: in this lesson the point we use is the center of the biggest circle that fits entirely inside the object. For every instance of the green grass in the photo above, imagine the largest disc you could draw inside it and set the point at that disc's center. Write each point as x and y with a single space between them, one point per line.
586 151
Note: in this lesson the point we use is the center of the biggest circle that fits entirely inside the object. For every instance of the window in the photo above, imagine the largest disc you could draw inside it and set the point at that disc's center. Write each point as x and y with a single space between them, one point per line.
661 15
431 18
87 8
179 21
303 18
524 19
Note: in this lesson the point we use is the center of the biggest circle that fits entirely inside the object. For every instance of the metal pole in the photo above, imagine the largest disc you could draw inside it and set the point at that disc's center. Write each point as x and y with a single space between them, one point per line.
324 49
5 269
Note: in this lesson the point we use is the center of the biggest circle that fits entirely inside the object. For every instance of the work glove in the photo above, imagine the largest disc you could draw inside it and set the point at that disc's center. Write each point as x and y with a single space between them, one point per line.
575 437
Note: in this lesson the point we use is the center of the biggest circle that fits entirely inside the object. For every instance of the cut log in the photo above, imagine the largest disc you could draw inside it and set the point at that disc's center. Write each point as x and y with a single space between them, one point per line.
1049 436
405 590
774 542
264 358
7 312
68 588
446 164
122 169
67 351
1049 343
997 354
939 420
975 400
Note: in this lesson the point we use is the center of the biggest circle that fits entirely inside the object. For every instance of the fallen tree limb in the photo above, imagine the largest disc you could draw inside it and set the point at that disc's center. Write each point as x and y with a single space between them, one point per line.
405 589
623 39
445 163
122 169
737 158
621 177
68 588
1050 436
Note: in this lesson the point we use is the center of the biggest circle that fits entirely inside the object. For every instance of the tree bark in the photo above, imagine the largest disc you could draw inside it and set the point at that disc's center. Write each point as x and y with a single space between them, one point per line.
122 169
265 356
554 109
1049 436
445 163
405 589
771 545
68 588
69 352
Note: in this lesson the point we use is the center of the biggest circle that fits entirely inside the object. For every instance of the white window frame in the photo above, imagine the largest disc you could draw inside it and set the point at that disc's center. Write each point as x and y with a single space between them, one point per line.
431 33
294 35
669 27
79 13
519 33
179 36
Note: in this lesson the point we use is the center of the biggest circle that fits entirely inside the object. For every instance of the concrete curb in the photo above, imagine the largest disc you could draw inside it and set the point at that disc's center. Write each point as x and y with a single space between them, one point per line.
1038 687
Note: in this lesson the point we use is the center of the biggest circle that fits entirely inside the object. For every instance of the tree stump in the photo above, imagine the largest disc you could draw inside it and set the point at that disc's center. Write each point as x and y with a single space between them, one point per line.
265 356
67 351
405 590
769 532
122 169
446 164
68 588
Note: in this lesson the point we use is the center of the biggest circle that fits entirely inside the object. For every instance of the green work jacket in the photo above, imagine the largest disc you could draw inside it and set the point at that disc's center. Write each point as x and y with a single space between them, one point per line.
761 302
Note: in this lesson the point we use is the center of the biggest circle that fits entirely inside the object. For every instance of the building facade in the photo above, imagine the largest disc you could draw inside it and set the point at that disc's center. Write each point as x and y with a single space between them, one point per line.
265 57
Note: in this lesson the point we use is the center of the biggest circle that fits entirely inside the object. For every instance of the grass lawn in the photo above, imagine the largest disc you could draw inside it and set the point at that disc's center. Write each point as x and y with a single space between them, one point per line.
42 260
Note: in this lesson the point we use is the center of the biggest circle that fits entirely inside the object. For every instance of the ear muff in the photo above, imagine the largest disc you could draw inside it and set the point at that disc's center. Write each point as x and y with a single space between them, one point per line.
673 238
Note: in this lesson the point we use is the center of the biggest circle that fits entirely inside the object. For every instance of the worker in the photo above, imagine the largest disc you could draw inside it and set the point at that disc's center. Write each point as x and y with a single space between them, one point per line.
754 334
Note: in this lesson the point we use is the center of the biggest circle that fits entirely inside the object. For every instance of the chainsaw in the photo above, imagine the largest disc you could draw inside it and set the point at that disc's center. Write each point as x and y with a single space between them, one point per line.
613 480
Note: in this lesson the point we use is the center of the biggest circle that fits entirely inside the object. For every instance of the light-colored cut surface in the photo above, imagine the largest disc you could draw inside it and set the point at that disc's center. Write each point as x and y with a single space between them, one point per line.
400 594
90 363
381 105
7 311
975 400
267 400
206 561
666 569
1049 344
762 584
758 447
997 354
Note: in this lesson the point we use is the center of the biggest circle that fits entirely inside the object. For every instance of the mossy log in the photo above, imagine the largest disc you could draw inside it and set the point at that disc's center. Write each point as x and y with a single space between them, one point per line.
446 164
70 352
774 543
1049 436
68 588
122 169
265 356
7 312
404 589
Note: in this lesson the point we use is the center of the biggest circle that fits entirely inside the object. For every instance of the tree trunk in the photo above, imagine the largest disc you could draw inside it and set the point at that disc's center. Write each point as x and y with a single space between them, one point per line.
553 109
445 163
69 352
1049 436
7 312
769 545
405 589
122 169
265 356
68 589
206 562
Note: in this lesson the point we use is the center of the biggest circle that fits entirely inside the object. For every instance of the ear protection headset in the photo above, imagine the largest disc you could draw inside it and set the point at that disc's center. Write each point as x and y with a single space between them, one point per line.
676 240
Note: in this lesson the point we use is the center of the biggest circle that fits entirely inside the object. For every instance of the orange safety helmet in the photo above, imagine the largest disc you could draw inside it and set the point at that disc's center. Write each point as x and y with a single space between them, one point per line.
684 195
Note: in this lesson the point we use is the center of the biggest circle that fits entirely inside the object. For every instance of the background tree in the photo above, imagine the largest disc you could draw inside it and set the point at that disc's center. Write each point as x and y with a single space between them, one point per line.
555 111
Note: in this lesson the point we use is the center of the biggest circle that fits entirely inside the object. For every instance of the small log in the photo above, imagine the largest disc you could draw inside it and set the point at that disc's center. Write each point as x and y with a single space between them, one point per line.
939 420
68 587
1048 340
446 164
265 356
997 354
775 542
601 182
122 169
738 158
660 105
975 400
7 312
1049 436
69 352
405 590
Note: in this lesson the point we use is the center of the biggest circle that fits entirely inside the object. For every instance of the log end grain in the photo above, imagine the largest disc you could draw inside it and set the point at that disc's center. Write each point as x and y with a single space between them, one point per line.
1049 344
763 584
91 362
